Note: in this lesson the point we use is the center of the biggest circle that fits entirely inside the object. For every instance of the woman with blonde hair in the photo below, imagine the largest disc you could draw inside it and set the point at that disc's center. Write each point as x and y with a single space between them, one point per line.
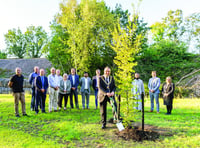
168 94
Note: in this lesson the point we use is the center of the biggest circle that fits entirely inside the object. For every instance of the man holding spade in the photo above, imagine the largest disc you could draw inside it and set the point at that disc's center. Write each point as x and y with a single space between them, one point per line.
106 94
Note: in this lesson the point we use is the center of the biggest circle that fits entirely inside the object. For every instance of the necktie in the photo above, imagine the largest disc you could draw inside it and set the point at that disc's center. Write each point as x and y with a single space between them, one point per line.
107 80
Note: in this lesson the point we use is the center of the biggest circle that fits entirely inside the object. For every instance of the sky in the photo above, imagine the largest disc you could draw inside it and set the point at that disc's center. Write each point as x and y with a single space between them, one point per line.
24 13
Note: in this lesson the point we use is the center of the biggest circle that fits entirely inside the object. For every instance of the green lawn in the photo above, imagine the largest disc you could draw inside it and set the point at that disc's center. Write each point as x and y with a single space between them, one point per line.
82 128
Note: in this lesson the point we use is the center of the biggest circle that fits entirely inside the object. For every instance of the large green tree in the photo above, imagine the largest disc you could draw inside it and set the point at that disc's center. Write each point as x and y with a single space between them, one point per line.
88 25
168 58
56 49
35 38
16 43
28 44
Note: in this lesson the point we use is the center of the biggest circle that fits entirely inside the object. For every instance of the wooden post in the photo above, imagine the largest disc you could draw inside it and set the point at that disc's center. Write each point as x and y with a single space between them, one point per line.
142 111
118 108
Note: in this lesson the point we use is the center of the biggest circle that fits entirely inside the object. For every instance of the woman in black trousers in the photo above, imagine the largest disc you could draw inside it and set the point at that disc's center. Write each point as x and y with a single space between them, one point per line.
168 94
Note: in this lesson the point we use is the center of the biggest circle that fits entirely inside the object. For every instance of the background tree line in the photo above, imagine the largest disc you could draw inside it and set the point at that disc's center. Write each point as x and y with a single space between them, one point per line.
82 36
25 45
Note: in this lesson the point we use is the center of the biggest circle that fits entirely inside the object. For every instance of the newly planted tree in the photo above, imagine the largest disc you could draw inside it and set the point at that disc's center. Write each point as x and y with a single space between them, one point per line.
126 43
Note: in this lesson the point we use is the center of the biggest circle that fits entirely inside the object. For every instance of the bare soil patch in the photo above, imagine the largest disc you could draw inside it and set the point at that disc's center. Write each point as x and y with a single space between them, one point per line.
136 133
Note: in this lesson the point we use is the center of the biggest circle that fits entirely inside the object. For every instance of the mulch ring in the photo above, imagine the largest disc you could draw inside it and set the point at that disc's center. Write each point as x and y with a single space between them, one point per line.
150 133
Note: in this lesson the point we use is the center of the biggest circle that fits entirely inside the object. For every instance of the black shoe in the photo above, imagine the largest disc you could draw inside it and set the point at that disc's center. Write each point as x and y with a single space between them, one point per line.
25 115
103 126
43 112
17 116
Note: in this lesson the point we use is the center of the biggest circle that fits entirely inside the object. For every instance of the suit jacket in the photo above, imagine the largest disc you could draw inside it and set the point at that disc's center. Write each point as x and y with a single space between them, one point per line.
39 84
32 77
154 84
68 87
82 83
94 82
105 87
76 81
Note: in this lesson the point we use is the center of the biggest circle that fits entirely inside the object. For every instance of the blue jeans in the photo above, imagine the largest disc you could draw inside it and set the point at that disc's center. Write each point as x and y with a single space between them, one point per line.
156 96
96 97
33 98
85 95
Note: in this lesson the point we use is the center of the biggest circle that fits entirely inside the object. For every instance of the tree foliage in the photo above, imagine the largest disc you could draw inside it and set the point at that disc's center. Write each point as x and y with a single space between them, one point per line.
16 43
3 55
35 38
126 43
28 44
168 58
88 25
192 34
121 15
171 27
56 49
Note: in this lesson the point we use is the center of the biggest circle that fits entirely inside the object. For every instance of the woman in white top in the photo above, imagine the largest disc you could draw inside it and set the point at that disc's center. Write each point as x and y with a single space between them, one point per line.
64 91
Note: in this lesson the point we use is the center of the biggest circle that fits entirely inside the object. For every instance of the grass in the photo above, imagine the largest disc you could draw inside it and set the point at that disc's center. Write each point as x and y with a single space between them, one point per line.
82 128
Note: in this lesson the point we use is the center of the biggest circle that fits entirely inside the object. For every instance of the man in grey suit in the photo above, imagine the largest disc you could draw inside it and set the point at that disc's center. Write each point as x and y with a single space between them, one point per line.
85 83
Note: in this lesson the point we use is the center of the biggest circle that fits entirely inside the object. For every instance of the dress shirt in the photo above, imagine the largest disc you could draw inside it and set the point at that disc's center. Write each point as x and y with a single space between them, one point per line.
97 84
107 79
53 82
42 79
86 83
73 79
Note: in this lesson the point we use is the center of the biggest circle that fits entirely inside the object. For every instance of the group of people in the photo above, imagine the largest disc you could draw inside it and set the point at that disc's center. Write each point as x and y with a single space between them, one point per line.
59 87
153 86
65 86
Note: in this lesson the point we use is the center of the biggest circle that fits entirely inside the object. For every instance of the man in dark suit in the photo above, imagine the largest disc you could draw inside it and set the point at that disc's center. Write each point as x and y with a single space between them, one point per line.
106 91
41 90
32 77
74 79
95 86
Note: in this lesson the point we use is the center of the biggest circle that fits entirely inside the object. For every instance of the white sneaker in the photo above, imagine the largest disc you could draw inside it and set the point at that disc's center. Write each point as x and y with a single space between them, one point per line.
64 108
59 108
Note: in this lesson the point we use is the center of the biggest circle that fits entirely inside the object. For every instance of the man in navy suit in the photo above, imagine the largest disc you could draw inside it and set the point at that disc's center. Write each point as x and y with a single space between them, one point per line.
74 79
41 90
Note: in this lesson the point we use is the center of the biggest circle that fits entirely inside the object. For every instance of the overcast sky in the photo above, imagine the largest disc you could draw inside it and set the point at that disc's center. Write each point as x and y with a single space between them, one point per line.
23 13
